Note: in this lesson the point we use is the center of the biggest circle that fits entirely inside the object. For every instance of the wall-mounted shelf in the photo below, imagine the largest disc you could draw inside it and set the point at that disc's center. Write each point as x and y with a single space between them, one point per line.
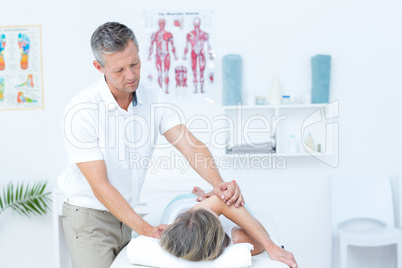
257 123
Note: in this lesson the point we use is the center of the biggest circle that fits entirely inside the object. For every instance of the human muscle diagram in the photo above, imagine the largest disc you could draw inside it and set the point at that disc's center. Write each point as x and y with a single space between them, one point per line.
162 39
198 39
20 68
181 58
181 76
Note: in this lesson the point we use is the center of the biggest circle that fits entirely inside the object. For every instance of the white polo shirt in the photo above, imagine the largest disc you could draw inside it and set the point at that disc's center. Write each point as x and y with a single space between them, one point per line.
96 128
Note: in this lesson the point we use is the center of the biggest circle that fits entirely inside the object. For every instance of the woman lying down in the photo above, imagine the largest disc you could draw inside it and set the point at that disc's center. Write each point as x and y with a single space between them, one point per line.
197 233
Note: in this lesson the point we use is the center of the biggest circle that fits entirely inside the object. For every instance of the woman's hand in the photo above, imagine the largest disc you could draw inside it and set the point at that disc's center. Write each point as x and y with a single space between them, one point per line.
279 254
205 196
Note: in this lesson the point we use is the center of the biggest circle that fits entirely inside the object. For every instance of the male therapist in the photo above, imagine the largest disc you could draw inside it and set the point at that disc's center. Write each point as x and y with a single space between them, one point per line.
103 126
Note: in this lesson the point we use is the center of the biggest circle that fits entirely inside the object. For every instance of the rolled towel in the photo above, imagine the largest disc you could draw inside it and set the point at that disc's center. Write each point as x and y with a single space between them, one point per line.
232 71
321 74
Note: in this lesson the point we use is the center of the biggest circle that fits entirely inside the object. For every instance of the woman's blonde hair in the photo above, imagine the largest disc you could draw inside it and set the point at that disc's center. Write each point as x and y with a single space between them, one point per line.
195 235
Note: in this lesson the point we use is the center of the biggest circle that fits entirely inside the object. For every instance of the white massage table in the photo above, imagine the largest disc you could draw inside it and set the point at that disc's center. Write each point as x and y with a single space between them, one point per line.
262 260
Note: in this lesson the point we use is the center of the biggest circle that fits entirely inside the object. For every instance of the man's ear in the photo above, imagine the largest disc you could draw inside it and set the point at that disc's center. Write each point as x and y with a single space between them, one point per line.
98 66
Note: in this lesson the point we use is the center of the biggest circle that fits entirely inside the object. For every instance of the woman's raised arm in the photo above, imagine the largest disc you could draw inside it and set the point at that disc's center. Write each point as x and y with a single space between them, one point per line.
242 217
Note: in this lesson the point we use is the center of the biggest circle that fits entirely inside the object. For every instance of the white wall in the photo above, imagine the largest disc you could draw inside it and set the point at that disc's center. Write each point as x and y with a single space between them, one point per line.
274 37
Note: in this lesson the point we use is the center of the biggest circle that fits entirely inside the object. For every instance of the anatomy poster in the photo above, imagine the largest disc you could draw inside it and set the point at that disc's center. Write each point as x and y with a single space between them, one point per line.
181 54
21 68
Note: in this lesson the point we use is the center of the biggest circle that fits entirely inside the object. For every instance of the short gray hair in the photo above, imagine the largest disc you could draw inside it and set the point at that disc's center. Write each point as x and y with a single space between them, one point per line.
111 37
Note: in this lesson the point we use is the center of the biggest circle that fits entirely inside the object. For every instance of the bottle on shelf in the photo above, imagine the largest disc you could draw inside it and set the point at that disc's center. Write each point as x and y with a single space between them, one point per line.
310 143
275 96
285 99
292 144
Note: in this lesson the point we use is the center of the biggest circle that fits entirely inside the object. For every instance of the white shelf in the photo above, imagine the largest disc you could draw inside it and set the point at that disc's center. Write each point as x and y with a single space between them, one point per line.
275 154
285 120
301 106
249 107
282 106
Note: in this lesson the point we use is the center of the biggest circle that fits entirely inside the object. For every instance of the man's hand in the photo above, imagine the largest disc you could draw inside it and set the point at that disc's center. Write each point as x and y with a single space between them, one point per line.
192 149
155 231
230 193
279 254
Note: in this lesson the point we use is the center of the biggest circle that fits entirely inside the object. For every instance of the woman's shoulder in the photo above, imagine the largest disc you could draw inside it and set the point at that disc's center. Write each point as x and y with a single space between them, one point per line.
213 202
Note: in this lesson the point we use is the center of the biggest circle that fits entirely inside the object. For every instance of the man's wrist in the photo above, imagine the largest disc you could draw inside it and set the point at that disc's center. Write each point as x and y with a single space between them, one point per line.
216 182
145 229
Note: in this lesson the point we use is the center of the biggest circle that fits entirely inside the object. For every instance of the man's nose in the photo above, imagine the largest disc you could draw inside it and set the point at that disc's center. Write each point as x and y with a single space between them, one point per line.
130 75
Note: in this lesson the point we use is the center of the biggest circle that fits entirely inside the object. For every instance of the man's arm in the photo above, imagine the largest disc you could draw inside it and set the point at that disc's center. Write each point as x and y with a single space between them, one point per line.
242 217
107 194
201 160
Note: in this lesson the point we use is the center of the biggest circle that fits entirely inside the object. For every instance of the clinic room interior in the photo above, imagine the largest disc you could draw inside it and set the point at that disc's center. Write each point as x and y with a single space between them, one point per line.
297 101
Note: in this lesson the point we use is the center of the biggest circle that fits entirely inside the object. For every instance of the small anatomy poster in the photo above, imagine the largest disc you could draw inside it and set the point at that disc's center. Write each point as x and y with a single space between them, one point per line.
21 68
180 48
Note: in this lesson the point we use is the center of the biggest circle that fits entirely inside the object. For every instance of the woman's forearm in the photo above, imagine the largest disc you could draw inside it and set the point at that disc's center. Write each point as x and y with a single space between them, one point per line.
242 217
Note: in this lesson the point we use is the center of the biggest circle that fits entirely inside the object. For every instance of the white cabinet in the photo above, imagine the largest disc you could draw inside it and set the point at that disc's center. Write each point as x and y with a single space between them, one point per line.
287 126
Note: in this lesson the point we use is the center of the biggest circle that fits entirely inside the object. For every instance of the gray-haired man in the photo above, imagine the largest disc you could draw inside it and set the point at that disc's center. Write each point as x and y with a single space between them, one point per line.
103 125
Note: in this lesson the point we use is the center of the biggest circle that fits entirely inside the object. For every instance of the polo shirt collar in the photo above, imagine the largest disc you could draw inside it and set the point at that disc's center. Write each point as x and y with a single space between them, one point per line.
110 101
138 94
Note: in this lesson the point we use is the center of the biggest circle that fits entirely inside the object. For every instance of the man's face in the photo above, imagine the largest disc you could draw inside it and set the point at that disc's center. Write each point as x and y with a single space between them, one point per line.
122 69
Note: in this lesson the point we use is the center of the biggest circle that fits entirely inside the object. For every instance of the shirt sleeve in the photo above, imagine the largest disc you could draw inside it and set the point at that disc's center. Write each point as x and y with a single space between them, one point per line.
80 132
171 115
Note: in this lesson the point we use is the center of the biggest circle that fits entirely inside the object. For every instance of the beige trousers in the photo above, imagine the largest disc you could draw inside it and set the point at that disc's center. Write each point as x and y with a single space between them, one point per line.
94 237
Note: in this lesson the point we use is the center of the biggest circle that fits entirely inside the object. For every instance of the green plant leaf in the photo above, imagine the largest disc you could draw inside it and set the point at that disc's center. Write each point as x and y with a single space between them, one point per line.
1 204
26 200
